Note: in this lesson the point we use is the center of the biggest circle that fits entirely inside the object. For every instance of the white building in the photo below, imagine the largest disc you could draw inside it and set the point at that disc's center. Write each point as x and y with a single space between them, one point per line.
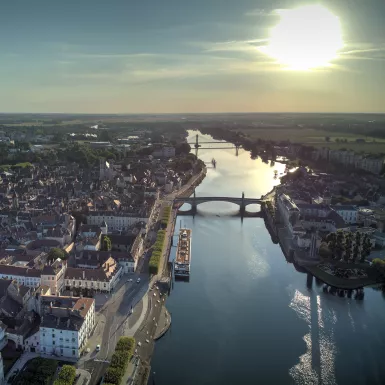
379 238
288 210
116 220
164 152
53 276
348 213
103 278
66 325
23 275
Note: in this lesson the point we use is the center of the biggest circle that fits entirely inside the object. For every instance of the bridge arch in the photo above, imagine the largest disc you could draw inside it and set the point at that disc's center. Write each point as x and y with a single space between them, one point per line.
195 201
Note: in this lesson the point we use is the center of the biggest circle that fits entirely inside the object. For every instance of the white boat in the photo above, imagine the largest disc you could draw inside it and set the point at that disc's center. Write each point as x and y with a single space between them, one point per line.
182 262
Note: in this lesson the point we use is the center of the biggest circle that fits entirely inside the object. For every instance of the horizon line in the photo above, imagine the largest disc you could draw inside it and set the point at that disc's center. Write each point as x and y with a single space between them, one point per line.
188 113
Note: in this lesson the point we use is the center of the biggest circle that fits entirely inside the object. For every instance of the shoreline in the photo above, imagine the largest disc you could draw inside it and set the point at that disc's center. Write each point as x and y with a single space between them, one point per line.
164 273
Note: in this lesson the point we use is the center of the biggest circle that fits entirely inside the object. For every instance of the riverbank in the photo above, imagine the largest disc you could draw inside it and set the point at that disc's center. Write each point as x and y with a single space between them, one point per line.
373 278
158 320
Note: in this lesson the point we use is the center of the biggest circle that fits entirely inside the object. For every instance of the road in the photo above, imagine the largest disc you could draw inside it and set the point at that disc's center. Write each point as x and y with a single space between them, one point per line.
116 319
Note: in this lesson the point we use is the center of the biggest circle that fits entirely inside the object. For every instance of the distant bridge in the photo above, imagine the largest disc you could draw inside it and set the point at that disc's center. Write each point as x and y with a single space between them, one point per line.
194 201
198 145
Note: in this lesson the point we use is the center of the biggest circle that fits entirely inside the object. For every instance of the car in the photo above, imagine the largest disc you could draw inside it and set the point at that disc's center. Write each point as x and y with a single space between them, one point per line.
98 348
138 280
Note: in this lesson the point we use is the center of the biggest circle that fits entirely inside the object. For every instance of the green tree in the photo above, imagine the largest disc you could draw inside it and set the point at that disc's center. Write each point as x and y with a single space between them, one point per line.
66 375
106 243
356 252
56 253
105 136
331 240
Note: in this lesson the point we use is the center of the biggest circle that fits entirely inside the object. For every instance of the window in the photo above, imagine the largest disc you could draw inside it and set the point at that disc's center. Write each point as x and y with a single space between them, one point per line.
73 352
73 339
53 342
43 334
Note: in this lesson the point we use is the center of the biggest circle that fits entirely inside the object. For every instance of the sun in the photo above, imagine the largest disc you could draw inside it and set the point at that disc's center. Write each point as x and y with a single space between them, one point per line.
307 37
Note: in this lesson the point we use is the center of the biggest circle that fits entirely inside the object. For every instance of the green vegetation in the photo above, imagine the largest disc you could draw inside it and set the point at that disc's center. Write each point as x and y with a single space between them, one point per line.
106 243
38 371
7 167
157 252
56 253
165 216
379 264
347 246
119 361
66 376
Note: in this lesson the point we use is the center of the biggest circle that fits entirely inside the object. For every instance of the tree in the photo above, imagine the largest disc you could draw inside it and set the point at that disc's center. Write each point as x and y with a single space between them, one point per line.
182 149
340 243
105 136
348 246
327 138
366 248
356 252
66 376
56 253
106 243
331 240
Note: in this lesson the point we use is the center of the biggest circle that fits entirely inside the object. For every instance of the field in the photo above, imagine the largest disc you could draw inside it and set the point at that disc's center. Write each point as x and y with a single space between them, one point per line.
317 138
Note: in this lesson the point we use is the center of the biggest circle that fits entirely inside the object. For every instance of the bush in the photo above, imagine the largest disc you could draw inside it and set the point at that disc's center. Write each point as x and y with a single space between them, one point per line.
120 359
126 344
66 375
38 371
114 375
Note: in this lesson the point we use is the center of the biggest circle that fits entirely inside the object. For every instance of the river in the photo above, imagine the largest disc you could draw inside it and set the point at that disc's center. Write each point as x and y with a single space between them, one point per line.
247 315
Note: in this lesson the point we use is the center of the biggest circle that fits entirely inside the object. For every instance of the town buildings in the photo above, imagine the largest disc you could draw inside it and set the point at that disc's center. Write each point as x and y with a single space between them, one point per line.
66 325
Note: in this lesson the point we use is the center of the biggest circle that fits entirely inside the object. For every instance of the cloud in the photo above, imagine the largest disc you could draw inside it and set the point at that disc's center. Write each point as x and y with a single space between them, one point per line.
363 51
235 46
260 12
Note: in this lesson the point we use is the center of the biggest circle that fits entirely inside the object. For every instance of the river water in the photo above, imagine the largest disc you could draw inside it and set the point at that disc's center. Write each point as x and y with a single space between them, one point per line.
247 316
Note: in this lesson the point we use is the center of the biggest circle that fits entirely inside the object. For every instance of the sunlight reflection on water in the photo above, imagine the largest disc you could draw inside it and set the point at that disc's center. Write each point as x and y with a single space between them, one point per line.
317 364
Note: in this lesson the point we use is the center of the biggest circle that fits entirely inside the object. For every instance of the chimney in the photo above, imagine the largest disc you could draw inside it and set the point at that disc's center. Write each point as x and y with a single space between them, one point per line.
68 323
84 274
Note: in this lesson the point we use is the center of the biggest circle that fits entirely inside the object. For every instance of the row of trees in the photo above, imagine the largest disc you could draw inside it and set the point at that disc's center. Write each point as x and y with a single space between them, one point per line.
66 376
157 251
165 216
119 361
348 246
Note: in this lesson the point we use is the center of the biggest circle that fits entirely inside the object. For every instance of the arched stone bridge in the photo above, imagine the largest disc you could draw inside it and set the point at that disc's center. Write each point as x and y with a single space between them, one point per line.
194 201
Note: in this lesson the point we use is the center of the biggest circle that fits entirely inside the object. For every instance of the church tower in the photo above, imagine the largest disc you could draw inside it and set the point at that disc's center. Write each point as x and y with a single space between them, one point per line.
15 201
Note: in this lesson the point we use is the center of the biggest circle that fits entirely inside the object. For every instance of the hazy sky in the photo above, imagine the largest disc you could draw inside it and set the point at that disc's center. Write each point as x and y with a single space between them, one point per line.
143 56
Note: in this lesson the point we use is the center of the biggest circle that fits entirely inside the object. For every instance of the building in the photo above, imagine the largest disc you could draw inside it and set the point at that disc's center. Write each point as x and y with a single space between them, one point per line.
106 170
1 370
26 276
379 239
102 277
348 213
52 275
164 152
66 325
288 210
117 220
365 216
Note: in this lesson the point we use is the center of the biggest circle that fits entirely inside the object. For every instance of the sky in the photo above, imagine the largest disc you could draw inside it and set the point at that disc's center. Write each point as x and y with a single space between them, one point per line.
179 56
